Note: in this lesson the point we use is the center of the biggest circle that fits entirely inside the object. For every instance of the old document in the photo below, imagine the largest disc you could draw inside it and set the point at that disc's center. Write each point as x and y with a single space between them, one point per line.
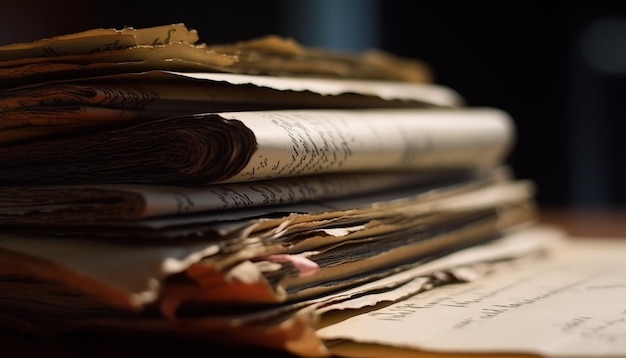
569 305
286 327
257 145
93 42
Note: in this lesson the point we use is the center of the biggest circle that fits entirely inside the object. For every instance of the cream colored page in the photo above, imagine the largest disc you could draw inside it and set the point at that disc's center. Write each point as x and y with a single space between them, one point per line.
162 200
167 200
569 305
305 142
388 90
415 196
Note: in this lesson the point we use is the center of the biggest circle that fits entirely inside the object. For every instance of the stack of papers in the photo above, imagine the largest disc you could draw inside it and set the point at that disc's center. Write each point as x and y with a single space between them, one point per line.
246 194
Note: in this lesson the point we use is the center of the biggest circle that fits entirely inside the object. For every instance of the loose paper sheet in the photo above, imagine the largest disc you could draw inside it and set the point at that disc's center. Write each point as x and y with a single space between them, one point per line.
571 304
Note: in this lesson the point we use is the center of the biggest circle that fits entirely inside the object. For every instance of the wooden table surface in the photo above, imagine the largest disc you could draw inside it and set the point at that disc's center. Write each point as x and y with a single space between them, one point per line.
610 223
588 222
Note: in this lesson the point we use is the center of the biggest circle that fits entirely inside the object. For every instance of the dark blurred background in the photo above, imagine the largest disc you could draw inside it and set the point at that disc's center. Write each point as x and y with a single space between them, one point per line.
557 67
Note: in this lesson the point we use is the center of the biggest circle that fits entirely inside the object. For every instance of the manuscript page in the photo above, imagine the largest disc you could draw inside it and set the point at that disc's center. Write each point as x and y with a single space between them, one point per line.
306 142
571 304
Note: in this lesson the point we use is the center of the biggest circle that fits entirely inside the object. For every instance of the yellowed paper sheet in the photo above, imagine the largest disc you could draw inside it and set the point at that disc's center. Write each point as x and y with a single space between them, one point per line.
568 305
97 41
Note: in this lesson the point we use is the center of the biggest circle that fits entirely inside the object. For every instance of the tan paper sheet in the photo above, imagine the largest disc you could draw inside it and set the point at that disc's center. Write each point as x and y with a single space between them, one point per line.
569 305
